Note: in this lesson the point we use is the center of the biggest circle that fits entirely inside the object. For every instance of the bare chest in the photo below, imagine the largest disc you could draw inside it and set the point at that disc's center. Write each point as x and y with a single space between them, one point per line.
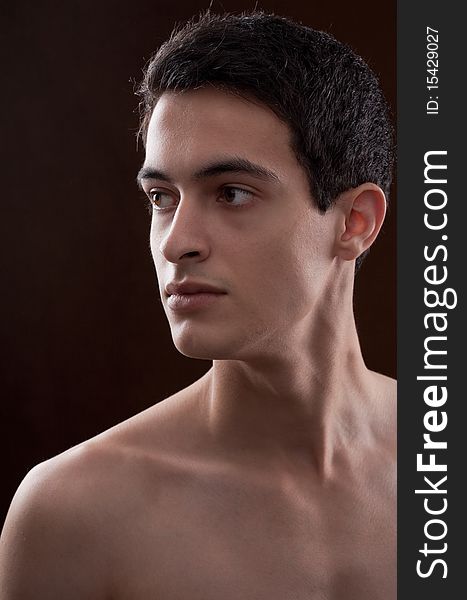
206 543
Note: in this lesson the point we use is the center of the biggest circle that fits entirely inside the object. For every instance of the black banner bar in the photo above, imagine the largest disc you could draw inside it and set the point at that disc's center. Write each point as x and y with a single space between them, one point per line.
431 321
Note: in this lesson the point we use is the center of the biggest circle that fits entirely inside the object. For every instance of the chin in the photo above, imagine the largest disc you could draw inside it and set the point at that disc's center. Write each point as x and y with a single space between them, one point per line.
225 345
201 349
204 343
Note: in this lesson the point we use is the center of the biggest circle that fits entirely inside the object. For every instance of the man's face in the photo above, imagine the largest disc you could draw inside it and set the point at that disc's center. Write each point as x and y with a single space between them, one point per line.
232 209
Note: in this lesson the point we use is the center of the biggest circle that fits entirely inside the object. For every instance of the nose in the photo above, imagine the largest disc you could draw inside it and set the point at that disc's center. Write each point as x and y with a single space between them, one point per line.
186 238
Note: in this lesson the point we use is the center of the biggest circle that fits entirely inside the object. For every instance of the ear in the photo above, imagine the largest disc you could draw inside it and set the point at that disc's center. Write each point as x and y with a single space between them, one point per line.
363 211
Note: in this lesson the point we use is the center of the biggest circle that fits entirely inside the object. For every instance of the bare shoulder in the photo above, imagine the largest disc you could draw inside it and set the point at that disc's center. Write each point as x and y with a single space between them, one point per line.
385 393
387 384
55 541
84 477
49 538
385 403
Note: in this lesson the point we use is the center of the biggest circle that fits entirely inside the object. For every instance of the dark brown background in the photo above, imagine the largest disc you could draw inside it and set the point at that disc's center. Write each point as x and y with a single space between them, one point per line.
84 342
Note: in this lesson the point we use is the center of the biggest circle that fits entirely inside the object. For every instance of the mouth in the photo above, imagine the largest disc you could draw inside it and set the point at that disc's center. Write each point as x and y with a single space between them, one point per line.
188 302
191 295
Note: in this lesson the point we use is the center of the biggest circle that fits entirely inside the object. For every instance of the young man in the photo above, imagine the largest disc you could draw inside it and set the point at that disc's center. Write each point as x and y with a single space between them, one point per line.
268 157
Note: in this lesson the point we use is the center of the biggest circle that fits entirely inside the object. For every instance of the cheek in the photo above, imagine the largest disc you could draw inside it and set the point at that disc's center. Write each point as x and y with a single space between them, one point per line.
303 262
157 258
283 269
155 253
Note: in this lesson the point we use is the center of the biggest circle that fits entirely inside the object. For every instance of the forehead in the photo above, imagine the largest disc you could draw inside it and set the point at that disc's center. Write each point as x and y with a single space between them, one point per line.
190 128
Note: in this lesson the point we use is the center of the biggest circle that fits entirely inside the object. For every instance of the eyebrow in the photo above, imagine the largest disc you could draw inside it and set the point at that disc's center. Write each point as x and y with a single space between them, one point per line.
230 165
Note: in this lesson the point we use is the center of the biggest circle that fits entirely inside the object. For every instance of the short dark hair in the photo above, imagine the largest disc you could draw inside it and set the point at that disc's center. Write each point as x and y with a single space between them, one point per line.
327 95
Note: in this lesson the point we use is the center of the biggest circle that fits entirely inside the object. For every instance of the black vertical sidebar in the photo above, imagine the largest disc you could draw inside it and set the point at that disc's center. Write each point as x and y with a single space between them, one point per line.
432 256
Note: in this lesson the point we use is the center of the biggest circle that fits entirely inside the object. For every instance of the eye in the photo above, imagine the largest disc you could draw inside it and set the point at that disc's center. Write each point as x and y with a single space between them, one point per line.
235 196
160 199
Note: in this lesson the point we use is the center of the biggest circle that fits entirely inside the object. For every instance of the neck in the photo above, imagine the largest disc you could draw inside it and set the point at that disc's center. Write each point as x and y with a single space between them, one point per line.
301 403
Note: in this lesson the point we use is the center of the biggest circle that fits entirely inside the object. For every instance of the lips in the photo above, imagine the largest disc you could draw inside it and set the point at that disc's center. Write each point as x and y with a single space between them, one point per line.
183 288
192 295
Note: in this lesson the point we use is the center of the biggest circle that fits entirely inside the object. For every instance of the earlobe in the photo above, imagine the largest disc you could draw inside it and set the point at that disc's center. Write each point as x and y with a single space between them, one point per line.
363 216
